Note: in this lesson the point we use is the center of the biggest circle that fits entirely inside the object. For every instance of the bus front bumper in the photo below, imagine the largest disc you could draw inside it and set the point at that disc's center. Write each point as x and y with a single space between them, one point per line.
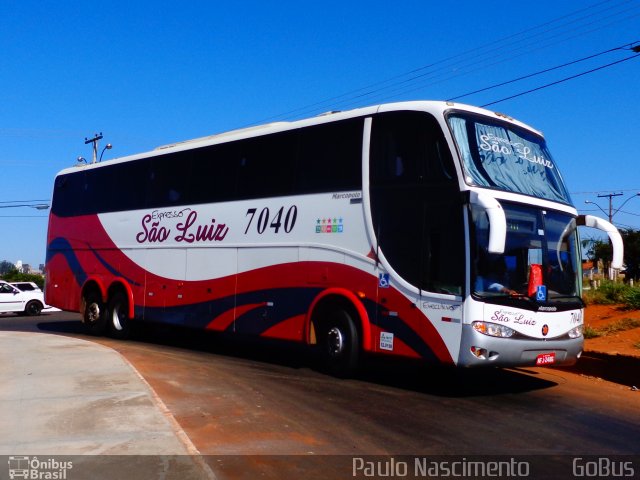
479 350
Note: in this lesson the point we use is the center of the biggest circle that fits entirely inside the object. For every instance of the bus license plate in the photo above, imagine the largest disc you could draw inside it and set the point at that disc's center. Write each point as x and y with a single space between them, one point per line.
546 358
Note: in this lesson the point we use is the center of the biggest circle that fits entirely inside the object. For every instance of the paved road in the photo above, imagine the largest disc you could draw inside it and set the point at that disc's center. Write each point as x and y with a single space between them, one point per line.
249 399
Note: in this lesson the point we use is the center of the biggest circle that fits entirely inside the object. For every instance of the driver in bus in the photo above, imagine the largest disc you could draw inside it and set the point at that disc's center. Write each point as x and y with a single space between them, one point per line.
492 275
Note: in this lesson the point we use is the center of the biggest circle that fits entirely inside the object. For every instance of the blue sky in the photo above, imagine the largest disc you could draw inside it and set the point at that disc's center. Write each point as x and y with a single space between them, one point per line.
150 73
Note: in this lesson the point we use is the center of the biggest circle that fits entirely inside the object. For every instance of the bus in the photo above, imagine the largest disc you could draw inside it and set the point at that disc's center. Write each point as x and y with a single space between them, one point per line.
429 230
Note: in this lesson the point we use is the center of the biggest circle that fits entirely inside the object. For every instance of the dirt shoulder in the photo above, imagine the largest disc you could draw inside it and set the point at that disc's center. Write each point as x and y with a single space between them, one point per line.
619 336
615 354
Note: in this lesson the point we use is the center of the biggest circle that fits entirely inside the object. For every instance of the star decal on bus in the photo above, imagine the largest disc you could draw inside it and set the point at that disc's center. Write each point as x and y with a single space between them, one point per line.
329 225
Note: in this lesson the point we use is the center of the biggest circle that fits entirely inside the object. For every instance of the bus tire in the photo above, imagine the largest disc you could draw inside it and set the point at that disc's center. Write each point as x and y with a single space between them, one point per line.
94 316
33 308
339 343
118 316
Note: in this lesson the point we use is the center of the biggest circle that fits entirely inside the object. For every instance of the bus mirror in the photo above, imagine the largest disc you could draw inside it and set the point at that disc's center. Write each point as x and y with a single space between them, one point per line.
612 231
497 221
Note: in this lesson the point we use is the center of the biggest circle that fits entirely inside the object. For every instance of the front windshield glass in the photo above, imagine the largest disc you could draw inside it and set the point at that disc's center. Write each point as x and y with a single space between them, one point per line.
540 262
504 156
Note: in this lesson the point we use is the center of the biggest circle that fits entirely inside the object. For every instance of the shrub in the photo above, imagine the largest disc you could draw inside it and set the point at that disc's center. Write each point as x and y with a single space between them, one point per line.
24 277
609 293
614 292
590 332
632 298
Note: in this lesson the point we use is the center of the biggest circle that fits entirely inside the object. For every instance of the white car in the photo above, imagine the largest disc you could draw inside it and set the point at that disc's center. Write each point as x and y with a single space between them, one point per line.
14 300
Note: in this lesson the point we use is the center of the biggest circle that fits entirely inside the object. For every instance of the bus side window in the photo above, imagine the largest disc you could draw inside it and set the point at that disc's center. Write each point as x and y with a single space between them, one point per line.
213 173
330 157
266 166
168 178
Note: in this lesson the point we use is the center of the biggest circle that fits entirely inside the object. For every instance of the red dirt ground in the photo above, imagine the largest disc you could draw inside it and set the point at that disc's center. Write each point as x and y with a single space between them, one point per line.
623 343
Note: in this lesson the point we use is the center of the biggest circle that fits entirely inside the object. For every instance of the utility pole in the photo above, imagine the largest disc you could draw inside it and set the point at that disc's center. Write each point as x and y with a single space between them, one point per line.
611 211
610 195
97 137
612 274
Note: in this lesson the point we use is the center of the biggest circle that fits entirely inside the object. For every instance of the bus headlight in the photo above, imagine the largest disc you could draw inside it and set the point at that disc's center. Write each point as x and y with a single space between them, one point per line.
493 329
575 332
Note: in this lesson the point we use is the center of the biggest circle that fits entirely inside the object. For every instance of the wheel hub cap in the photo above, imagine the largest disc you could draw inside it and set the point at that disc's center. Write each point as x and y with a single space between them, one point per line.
116 319
93 312
335 341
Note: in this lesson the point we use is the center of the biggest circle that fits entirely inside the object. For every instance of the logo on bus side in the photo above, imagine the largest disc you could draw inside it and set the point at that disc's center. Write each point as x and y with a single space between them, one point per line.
507 316
153 230
329 225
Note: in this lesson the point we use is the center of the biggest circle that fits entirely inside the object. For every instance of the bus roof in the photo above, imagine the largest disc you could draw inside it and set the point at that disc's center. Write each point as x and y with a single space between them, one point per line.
275 127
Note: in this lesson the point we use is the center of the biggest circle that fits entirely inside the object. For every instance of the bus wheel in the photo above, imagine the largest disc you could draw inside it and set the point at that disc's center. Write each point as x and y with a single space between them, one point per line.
119 323
94 318
338 343
33 308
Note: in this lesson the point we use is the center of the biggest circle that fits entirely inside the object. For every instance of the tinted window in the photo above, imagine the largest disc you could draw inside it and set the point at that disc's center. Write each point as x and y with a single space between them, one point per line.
503 156
265 165
26 286
416 206
214 174
167 179
330 157
321 158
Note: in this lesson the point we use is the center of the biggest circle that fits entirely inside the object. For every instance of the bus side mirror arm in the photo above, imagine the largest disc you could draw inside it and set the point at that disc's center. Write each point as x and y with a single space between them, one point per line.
612 231
497 220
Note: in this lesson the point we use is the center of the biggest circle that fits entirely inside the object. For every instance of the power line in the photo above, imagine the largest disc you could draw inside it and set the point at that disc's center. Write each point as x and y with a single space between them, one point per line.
621 211
560 81
546 70
608 190
398 84
629 213
481 61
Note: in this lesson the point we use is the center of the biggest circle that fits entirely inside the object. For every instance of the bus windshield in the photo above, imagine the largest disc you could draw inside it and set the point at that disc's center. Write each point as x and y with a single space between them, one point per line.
506 157
541 250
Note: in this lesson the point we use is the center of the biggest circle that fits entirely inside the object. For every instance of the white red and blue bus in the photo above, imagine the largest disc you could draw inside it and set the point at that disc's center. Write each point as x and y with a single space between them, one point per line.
380 230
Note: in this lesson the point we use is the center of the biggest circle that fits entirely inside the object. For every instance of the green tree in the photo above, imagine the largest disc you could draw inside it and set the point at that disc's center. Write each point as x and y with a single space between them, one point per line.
15 276
6 267
601 250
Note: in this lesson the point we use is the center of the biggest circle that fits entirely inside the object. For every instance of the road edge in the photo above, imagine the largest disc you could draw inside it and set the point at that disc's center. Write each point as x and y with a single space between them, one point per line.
617 368
194 453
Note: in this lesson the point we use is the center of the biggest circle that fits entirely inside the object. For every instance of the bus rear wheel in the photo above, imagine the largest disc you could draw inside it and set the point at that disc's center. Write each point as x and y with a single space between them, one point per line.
118 315
94 318
339 343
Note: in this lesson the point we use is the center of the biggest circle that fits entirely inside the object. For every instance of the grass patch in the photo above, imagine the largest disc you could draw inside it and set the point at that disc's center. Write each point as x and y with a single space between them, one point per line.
609 293
590 332
614 293
619 326
632 299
